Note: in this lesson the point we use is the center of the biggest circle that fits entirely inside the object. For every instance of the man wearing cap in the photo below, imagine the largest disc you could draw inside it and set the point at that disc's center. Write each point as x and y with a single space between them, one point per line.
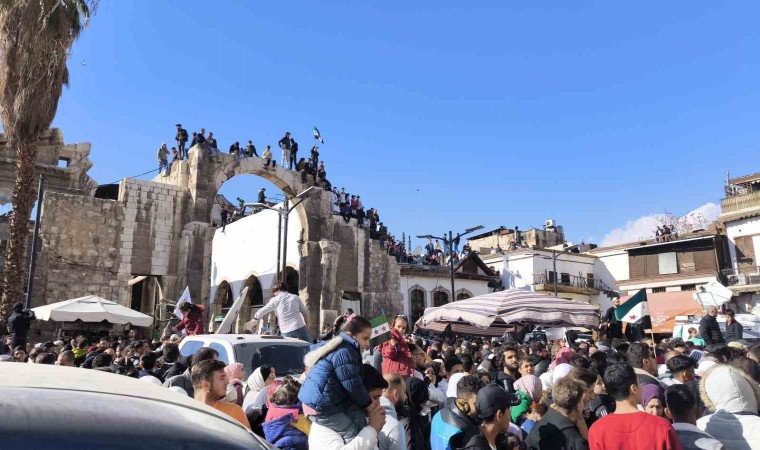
181 139
557 429
493 409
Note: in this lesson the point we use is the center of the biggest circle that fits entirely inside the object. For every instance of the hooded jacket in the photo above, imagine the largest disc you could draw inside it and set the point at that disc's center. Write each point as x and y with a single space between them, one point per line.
392 436
335 377
397 358
280 433
732 398
20 320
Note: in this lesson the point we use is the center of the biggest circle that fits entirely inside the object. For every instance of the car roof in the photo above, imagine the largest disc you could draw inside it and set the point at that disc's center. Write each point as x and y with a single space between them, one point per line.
245 338
46 402
42 376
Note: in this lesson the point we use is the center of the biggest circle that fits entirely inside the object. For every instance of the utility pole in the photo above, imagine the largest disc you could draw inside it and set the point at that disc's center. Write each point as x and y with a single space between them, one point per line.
35 238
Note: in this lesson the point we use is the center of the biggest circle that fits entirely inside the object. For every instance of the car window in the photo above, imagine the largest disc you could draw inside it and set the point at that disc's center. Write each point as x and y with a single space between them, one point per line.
287 359
190 347
223 357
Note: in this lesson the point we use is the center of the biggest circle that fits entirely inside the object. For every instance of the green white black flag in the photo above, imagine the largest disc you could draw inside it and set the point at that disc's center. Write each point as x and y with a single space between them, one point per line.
381 331
634 309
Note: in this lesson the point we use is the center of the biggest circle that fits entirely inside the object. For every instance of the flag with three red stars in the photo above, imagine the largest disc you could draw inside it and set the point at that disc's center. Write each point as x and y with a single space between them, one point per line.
634 309
381 331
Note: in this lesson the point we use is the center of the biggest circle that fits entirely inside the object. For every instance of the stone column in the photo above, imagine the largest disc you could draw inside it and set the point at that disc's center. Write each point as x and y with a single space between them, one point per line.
330 295
310 280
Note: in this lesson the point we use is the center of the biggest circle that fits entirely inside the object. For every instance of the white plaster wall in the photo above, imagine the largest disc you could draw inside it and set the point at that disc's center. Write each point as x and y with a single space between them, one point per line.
743 227
429 284
249 247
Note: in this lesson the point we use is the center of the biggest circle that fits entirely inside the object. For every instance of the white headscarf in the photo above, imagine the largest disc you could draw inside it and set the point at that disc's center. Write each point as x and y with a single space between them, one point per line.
256 382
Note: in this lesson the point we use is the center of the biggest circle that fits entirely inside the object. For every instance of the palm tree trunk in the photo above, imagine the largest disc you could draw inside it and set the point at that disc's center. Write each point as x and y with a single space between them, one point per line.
23 201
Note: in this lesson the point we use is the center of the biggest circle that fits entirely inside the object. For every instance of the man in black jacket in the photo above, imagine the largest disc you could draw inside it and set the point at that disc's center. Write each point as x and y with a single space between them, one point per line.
493 408
557 429
181 139
538 354
18 324
734 330
709 328
614 326
506 365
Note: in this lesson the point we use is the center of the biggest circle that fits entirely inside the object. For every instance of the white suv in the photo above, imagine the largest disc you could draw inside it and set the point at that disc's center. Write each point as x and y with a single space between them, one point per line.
253 351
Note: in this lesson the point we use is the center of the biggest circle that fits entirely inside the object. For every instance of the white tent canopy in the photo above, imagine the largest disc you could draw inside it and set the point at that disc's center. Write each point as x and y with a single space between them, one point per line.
92 308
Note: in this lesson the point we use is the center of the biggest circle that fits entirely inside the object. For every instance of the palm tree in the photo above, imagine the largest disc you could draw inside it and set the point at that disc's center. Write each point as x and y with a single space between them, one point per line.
35 40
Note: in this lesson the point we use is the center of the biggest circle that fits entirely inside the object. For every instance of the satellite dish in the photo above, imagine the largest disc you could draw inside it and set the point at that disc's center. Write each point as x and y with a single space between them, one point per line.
417 251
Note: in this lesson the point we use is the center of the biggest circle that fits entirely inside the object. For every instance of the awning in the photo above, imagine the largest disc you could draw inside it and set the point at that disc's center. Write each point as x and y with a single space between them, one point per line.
665 306
136 280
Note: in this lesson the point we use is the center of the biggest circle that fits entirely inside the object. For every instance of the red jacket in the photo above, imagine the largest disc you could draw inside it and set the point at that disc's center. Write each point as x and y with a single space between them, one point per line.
398 358
193 321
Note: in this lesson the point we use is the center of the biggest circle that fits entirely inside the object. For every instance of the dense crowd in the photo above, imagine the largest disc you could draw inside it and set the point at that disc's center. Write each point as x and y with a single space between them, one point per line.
419 393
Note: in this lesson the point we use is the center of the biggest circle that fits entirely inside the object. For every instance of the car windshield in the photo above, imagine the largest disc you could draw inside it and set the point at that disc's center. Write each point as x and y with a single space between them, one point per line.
287 359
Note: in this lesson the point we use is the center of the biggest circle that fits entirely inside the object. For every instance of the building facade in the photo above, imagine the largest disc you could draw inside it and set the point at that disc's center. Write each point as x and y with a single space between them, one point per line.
740 216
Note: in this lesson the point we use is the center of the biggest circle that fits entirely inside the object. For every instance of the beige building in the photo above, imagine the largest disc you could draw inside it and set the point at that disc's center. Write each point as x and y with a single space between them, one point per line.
511 238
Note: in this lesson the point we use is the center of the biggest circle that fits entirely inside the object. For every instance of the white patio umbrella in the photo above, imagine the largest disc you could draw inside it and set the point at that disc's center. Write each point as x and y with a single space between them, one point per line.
92 308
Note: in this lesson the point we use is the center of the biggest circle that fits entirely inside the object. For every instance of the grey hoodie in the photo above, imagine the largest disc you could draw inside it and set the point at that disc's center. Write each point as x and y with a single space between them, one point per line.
393 435
733 399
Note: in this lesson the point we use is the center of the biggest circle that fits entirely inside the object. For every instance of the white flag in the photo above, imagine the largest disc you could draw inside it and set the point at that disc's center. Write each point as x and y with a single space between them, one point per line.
184 299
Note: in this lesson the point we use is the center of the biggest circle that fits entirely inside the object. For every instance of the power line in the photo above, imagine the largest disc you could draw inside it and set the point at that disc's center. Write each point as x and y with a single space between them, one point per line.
134 176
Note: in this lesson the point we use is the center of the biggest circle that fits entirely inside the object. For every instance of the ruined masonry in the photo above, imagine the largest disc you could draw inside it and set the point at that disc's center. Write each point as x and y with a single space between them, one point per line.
100 240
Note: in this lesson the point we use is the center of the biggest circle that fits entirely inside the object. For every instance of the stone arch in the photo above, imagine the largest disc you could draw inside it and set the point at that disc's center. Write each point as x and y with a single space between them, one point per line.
223 299
417 302
288 181
440 296
463 294
254 297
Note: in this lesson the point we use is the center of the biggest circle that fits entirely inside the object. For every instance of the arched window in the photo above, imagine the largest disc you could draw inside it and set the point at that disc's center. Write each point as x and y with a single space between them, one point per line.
440 298
417 301
224 296
463 296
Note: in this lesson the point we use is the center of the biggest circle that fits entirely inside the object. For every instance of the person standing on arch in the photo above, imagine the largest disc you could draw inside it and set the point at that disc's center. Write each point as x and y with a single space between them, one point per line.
290 311
285 144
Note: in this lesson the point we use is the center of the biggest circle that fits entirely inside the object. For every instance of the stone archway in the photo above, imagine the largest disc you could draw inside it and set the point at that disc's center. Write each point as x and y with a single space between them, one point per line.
254 297
223 300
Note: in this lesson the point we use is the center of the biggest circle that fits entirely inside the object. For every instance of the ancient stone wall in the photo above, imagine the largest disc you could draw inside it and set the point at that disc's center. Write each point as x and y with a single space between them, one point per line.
81 249
162 229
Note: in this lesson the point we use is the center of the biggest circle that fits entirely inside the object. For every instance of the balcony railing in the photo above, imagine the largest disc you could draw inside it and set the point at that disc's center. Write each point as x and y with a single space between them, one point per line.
742 276
741 202
575 281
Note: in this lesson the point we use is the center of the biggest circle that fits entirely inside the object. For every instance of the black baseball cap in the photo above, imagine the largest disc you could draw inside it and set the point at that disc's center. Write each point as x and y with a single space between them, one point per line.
494 398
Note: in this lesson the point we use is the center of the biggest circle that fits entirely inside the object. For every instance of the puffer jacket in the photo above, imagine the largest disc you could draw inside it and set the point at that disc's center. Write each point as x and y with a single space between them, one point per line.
280 433
397 358
448 422
732 398
334 378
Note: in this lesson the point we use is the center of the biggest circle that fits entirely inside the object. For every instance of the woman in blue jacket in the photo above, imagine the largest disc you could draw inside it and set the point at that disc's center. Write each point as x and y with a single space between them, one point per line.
333 394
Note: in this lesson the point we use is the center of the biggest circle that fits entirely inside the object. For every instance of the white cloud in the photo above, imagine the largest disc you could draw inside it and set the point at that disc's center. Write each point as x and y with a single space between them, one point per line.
644 227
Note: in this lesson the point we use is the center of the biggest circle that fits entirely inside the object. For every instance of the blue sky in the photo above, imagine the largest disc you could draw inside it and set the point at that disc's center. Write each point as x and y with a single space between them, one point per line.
443 115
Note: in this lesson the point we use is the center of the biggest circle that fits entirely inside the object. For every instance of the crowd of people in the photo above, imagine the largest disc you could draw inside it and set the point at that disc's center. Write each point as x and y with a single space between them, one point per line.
415 393
308 167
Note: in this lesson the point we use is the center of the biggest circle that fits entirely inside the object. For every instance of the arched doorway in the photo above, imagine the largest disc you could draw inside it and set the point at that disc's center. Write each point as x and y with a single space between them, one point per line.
223 302
291 280
463 294
254 298
440 298
417 304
